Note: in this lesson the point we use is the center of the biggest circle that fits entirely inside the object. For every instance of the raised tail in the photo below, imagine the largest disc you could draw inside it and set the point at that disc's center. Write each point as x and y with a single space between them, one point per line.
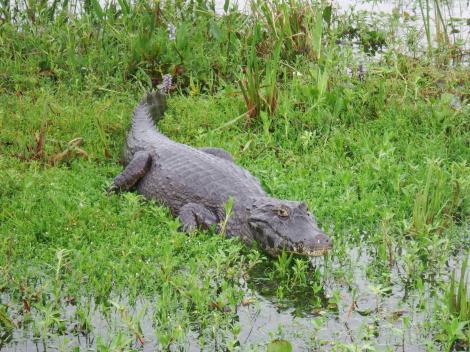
156 103
149 111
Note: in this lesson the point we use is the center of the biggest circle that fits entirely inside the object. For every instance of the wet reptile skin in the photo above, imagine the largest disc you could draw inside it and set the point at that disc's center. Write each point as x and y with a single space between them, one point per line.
197 183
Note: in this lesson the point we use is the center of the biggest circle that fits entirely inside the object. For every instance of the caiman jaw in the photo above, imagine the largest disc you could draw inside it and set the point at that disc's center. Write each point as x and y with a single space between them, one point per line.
317 248
317 252
302 250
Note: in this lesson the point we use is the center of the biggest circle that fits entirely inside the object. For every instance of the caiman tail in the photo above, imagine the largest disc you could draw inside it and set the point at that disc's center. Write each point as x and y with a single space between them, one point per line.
156 103
143 131
148 112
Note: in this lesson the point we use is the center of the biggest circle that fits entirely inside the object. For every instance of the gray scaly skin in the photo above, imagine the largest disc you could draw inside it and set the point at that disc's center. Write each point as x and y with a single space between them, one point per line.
197 183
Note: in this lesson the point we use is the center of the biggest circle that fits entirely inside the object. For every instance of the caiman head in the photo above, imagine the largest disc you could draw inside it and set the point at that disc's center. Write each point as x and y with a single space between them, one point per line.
279 225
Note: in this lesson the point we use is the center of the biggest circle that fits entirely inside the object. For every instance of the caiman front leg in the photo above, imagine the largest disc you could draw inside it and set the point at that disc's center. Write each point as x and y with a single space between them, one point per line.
219 152
193 216
134 171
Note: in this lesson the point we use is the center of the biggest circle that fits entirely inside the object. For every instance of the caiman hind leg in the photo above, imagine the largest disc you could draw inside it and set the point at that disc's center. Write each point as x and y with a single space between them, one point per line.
193 216
218 152
134 171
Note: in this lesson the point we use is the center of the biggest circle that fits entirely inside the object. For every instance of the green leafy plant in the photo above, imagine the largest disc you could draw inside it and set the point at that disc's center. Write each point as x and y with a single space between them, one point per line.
381 159
458 294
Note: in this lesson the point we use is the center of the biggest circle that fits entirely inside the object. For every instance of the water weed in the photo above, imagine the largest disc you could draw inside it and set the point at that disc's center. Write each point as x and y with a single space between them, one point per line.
456 328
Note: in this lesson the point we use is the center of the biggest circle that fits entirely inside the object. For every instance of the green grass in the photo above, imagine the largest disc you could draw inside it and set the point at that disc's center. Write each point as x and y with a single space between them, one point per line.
382 162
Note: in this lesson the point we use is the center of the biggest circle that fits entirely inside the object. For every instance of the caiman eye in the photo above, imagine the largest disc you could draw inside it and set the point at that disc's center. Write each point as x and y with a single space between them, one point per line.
282 212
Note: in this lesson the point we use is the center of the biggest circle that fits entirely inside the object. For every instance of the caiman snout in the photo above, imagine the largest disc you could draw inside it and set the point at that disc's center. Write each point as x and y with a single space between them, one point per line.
319 246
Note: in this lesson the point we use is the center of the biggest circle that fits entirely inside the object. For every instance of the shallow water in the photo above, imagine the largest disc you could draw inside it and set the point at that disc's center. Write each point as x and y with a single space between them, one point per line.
375 319
456 14
355 316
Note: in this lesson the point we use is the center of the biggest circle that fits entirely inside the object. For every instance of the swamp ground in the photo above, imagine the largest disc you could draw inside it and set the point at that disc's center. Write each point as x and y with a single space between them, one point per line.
379 149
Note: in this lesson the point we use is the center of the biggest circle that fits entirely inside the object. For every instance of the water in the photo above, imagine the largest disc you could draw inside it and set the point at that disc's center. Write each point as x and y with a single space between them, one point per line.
408 17
364 316
361 311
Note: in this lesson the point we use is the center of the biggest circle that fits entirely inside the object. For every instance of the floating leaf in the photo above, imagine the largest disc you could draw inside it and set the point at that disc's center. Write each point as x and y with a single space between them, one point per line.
279 346
365 312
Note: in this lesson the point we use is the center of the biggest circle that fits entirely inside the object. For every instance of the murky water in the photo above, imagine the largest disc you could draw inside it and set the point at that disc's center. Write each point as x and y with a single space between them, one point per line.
364 316
362 313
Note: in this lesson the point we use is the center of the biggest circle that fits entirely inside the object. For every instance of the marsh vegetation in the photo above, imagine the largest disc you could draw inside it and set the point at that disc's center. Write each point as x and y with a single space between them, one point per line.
364 118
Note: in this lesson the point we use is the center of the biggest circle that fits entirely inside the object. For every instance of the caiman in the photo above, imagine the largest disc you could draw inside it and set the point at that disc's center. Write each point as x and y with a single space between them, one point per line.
197 183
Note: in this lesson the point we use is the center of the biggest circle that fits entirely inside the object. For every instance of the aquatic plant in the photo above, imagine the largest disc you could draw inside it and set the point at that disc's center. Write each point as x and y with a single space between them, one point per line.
458 294
377 146
166 84
454 328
